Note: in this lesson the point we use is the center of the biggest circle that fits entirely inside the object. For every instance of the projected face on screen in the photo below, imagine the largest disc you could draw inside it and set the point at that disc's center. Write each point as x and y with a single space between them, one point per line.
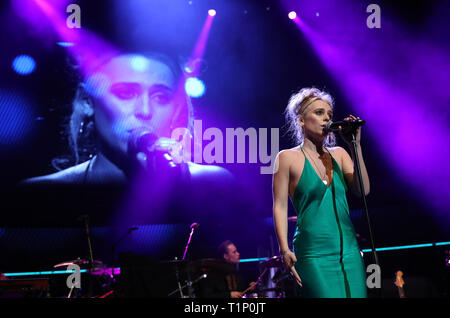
136 92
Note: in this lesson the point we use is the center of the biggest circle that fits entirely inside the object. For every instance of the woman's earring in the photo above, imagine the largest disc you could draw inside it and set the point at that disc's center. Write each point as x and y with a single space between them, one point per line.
81 127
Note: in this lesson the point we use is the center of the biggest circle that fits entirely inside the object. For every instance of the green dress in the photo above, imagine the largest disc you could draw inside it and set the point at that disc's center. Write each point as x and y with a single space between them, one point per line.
329 261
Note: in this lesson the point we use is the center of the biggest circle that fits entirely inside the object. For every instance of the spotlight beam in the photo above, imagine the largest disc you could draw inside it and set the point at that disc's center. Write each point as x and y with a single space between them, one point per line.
396 115
85 46
200 46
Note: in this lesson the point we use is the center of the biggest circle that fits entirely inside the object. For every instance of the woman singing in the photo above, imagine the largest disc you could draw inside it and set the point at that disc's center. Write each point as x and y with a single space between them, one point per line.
129 94
316 175
121 130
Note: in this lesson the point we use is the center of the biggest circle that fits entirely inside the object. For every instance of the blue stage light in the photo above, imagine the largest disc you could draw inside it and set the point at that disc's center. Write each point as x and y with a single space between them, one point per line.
247 260
65 44
24 64
194 87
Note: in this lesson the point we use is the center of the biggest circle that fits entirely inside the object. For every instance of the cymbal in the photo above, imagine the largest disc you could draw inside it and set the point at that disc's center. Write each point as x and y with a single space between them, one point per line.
79 262
274 261
174 261
208 264
175 264
108 271
275 289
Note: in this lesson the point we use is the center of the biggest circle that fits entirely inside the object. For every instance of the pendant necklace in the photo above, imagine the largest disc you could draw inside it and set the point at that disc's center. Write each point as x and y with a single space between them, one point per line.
323 177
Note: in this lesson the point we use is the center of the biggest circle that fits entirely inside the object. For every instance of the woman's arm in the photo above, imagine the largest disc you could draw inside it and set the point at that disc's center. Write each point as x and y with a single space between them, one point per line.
348 165
280 188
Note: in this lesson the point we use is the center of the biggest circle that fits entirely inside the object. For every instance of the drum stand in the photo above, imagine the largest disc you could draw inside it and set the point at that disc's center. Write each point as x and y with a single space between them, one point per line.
258 281
189 282
113 249
91 264
85 219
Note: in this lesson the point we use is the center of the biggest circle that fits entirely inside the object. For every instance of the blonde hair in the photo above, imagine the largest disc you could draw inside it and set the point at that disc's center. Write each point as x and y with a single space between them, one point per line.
297 106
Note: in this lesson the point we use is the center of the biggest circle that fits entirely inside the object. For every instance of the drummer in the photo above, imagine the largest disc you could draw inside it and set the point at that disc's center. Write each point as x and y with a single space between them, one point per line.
225 284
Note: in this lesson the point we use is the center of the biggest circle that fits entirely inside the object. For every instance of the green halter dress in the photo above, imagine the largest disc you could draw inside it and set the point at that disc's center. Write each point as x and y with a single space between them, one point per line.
328 256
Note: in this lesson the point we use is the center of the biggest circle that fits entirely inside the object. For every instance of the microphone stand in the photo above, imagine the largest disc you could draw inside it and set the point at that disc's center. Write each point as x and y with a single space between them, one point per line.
187 285
189 241
363 197
113 248
85 219
189 282
88 235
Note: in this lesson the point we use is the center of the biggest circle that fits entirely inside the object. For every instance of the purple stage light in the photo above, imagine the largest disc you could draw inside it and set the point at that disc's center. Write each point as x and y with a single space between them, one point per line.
196 58
377 75
292 15
86 47
212 12
190 83
30 11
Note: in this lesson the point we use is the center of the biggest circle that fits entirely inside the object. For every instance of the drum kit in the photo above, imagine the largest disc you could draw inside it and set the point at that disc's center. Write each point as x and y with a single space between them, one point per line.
99 278
96 275
272 282
266 286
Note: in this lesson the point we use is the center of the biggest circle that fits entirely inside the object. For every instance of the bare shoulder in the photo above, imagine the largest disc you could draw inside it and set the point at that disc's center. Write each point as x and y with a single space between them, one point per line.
335 149
288 159
343 158
337 152
289 155
72 175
